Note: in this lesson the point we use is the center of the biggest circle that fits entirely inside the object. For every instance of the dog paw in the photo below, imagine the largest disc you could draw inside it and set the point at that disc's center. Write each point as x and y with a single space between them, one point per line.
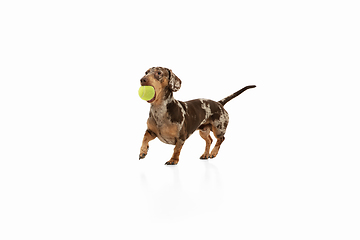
143 153
172 162
205 156
214 152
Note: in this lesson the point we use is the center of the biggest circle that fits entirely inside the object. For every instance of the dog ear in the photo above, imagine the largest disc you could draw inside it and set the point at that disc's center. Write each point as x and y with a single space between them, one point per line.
174 81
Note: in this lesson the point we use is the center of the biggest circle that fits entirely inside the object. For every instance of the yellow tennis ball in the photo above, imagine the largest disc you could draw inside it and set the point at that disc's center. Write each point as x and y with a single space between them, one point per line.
146 92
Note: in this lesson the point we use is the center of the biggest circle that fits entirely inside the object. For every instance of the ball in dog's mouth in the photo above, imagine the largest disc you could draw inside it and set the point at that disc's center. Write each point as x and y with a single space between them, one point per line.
153 99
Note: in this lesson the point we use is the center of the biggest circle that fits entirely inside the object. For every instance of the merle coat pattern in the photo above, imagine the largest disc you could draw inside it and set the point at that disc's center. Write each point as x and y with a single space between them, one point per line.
173 121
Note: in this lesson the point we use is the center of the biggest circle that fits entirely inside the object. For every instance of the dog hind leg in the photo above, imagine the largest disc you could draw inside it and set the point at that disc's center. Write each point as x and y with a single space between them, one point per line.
219 134
205 134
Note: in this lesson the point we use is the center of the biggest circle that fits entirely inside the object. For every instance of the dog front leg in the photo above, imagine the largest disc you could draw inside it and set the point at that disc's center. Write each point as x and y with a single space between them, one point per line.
148 136
175 157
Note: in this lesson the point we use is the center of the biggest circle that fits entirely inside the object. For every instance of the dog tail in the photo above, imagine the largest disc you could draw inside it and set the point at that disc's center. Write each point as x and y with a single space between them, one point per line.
225 100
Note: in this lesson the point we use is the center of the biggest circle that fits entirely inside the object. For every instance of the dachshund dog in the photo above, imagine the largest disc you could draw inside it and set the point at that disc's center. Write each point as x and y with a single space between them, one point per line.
173 121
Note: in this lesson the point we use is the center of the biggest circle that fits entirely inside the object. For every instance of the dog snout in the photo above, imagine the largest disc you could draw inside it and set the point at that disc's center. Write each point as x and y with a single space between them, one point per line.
143 81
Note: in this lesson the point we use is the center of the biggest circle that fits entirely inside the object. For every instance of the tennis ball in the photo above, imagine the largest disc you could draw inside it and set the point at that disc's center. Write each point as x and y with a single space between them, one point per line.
146 92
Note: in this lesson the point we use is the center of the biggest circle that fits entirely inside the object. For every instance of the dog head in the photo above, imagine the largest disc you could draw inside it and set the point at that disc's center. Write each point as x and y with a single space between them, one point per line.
163 80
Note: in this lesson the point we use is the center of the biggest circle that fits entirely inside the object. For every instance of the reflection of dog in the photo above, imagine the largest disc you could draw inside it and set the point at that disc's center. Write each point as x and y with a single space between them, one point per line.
174 121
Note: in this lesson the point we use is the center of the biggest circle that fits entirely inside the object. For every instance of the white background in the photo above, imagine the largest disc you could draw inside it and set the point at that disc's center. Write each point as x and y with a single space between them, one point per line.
72 123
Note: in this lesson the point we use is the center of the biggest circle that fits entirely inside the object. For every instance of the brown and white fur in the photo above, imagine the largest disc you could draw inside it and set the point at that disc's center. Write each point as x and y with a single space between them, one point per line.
173 121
